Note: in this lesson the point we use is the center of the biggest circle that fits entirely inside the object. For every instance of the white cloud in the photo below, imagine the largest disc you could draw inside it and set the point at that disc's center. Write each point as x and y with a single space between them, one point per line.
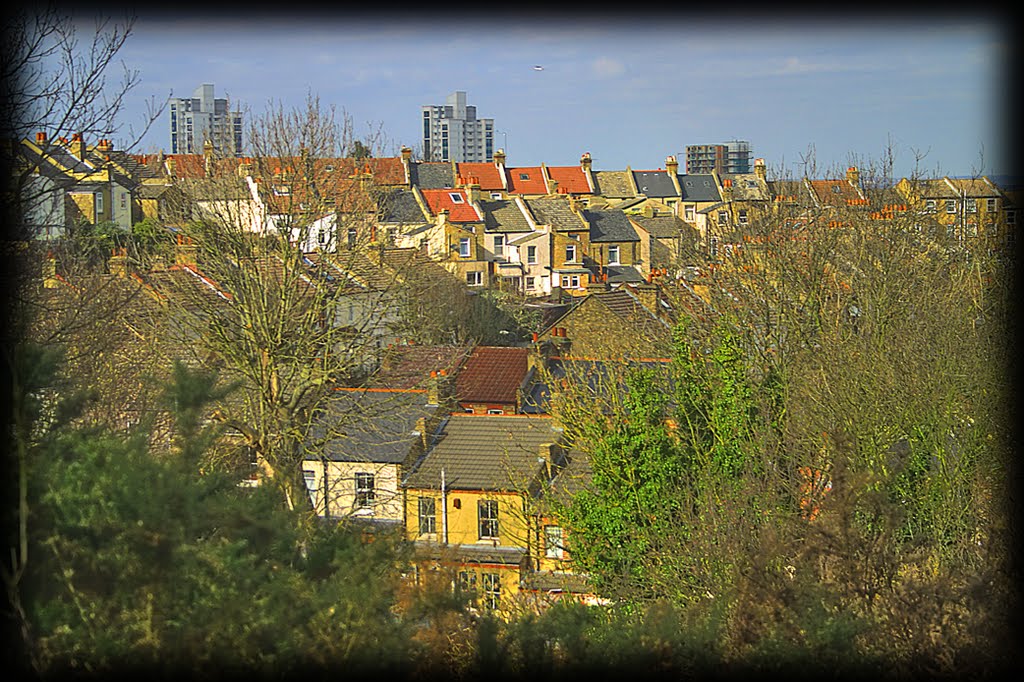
605 67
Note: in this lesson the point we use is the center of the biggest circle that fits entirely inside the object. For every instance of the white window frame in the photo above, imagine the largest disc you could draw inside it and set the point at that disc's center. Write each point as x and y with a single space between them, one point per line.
690 213
570 253
499 246
950 205
743 216
99 203
570 281
531 254
929 205
613 255
531 283
456 198
553 542
427 521
723 217
490 584
365 491
474 278
972 205
464 247
487 519
990 205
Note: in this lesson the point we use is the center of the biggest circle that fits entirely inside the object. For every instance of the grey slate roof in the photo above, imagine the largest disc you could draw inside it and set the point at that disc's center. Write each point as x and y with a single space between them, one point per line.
374 426
400 206
432 175
610 225
663 227
554 211
503 215
699 187
612 184
656 184
485 453
623 273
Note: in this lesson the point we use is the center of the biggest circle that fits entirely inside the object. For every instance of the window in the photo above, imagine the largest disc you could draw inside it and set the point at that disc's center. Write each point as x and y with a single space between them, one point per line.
570 281
723 218
464 247
531 283
474 279
495 411
990 205
950 205
428 516
491 590
124 200
99 203
321 237
713 247
929 205
495 195
531 254
570 253
364 490
456 198
613 255
743 216
309 476
690 213
467 581
487 513
553 542
1011 217
499 245
524 176
351 237
972 205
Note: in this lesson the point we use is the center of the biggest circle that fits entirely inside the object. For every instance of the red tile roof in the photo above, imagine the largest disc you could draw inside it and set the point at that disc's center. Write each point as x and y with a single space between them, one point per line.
835 192
526 180
571 179
492 374
458 212
487 174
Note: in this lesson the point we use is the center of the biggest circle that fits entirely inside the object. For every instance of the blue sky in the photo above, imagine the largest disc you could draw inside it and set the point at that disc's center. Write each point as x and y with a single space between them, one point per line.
630 92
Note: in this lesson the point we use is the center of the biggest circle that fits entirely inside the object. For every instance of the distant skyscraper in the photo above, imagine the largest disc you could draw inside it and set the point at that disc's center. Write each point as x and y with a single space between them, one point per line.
728 158
203 117
452 132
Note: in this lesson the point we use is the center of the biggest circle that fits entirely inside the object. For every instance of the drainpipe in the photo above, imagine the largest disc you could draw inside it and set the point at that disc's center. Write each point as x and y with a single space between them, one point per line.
444 511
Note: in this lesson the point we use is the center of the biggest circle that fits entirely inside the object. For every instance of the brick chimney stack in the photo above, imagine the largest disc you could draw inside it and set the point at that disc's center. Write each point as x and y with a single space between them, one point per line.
672 165
499 158
760 170
78 145
853 176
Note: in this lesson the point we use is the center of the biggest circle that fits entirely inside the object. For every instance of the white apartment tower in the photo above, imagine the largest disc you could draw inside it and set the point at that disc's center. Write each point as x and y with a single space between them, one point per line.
203 117
452 132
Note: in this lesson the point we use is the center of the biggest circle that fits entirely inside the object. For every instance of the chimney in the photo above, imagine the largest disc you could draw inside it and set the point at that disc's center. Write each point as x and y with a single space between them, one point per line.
437 387
727 189
208 158
245 167
406 154
760 170
672 166
648 211
170 166
553 186
647 294
104 146
545 455
499 157
40 138
586 161
185 251
853 176
78 145
473 190
118 263
421 428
